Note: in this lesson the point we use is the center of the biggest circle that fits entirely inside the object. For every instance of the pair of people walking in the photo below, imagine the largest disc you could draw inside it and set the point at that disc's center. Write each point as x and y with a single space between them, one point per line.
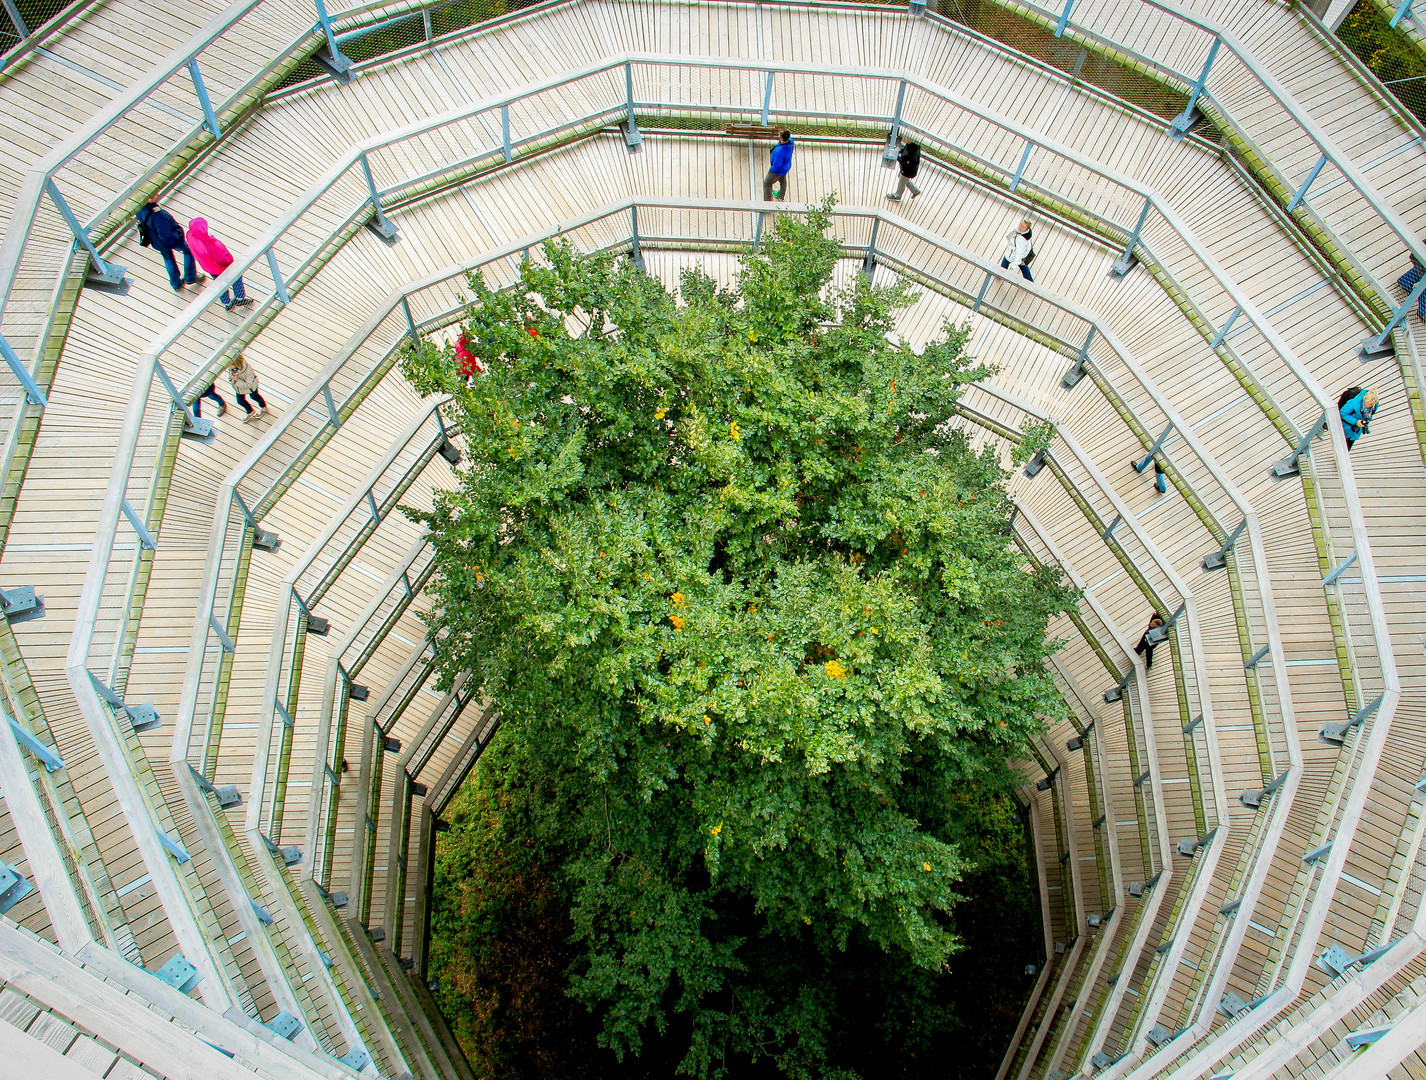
159 230
244 380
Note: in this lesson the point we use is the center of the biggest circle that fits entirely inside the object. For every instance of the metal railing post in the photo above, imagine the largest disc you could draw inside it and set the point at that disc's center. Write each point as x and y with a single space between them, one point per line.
1301 192
869 263
337 63
1064 18
980 297
1403 11
1140 466
1075 374
1288 466
1381 343
32 389
1126 262
378 223
277 282
888 155
636 252
99 270
1020 169
1185 119
505 134
1223 331
210 118
767 97
192 424
426 23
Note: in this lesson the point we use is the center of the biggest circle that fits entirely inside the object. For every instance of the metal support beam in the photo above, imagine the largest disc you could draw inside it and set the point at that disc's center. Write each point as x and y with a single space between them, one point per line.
869 263
505 134
42 753
1128 260
1188 117
1301 192
102 272
767 97
1339 569
378 223
1223 332
223 639
1252 661
1140 466
337 64
888 153
1381 343
415 340
24 31
1336 733
1403 11
984 285
1107 533
1020 169
1219 558
1064 18
194 425
636 252
33 393
146 538
277 282
1288 466
210 118
1076 373
333 417
632 139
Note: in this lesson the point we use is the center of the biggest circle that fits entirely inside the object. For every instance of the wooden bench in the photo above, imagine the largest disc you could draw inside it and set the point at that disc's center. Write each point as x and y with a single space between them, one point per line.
752 131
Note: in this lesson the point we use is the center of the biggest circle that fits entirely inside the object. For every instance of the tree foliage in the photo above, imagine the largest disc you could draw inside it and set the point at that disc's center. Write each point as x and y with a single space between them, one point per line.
745 603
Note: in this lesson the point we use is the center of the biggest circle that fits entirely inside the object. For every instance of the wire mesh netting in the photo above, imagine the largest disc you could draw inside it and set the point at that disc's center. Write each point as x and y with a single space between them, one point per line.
1391 55
33 15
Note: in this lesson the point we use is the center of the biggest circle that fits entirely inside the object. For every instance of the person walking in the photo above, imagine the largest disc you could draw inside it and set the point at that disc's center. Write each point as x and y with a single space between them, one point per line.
1146 645
1356 406
211 395
779 166
213 255
1020 250
158 230
244 380
908 158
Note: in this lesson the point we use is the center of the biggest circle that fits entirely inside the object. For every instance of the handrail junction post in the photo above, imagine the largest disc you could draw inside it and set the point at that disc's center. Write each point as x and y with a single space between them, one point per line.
337 64
1129 260
632 139
888 154
100 272
210 118
1190 115
378 223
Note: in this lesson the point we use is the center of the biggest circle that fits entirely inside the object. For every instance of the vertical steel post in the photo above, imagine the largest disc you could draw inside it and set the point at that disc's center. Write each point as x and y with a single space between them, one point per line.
1140 466
1301 192
637 253
983 286
1064 18
32 390
338 60
869 263
378 222
505 133
1403 11
629 92
767 97
1223 333
1020 169
111 273
1126 262
426 23
277 282
1184 120
210 118
1379 342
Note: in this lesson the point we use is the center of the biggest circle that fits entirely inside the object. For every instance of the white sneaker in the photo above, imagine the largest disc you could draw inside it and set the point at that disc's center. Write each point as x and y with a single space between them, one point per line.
250 417
893 196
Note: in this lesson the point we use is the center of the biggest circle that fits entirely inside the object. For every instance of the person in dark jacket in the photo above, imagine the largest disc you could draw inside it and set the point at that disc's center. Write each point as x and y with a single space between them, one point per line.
1147 644
158 230
779 167
908 157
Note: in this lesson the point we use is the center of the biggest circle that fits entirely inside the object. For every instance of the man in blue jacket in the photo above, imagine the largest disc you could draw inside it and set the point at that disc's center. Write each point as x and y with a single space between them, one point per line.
779 168
158 230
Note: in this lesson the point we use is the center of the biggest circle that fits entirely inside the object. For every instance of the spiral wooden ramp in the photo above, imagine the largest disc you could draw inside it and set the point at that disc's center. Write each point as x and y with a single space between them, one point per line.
224 756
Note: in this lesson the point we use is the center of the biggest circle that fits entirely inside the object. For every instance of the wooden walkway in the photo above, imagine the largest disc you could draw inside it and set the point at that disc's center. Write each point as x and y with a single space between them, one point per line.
254 175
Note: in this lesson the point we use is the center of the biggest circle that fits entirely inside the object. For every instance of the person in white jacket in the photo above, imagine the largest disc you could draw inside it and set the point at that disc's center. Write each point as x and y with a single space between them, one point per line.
244 380
1021 247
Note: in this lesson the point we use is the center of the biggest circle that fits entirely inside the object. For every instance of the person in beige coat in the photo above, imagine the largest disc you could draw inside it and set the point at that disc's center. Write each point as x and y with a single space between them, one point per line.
244 380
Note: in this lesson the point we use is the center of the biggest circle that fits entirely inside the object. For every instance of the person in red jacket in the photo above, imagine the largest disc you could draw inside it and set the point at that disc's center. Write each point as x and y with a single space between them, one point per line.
213 255
469 363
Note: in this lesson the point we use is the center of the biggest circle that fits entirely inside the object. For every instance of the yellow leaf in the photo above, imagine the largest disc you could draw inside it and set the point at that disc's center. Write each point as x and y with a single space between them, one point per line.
835 670
677 622
926 867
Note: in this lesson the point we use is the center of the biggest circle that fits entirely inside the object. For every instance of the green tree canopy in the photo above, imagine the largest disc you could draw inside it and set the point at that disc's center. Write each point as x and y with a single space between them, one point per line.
745 602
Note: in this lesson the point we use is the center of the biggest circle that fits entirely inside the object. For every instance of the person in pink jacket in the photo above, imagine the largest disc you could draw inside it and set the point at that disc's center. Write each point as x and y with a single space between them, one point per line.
213 255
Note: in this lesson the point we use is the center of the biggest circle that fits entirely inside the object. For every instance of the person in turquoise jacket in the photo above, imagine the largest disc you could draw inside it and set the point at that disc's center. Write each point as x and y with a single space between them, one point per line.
1357 407
779 167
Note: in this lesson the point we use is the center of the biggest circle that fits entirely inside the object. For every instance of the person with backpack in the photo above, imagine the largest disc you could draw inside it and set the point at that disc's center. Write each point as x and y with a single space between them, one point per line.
213 255
244 380
1356 406
908 159
158 230
1020 250
778 167
1150 640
